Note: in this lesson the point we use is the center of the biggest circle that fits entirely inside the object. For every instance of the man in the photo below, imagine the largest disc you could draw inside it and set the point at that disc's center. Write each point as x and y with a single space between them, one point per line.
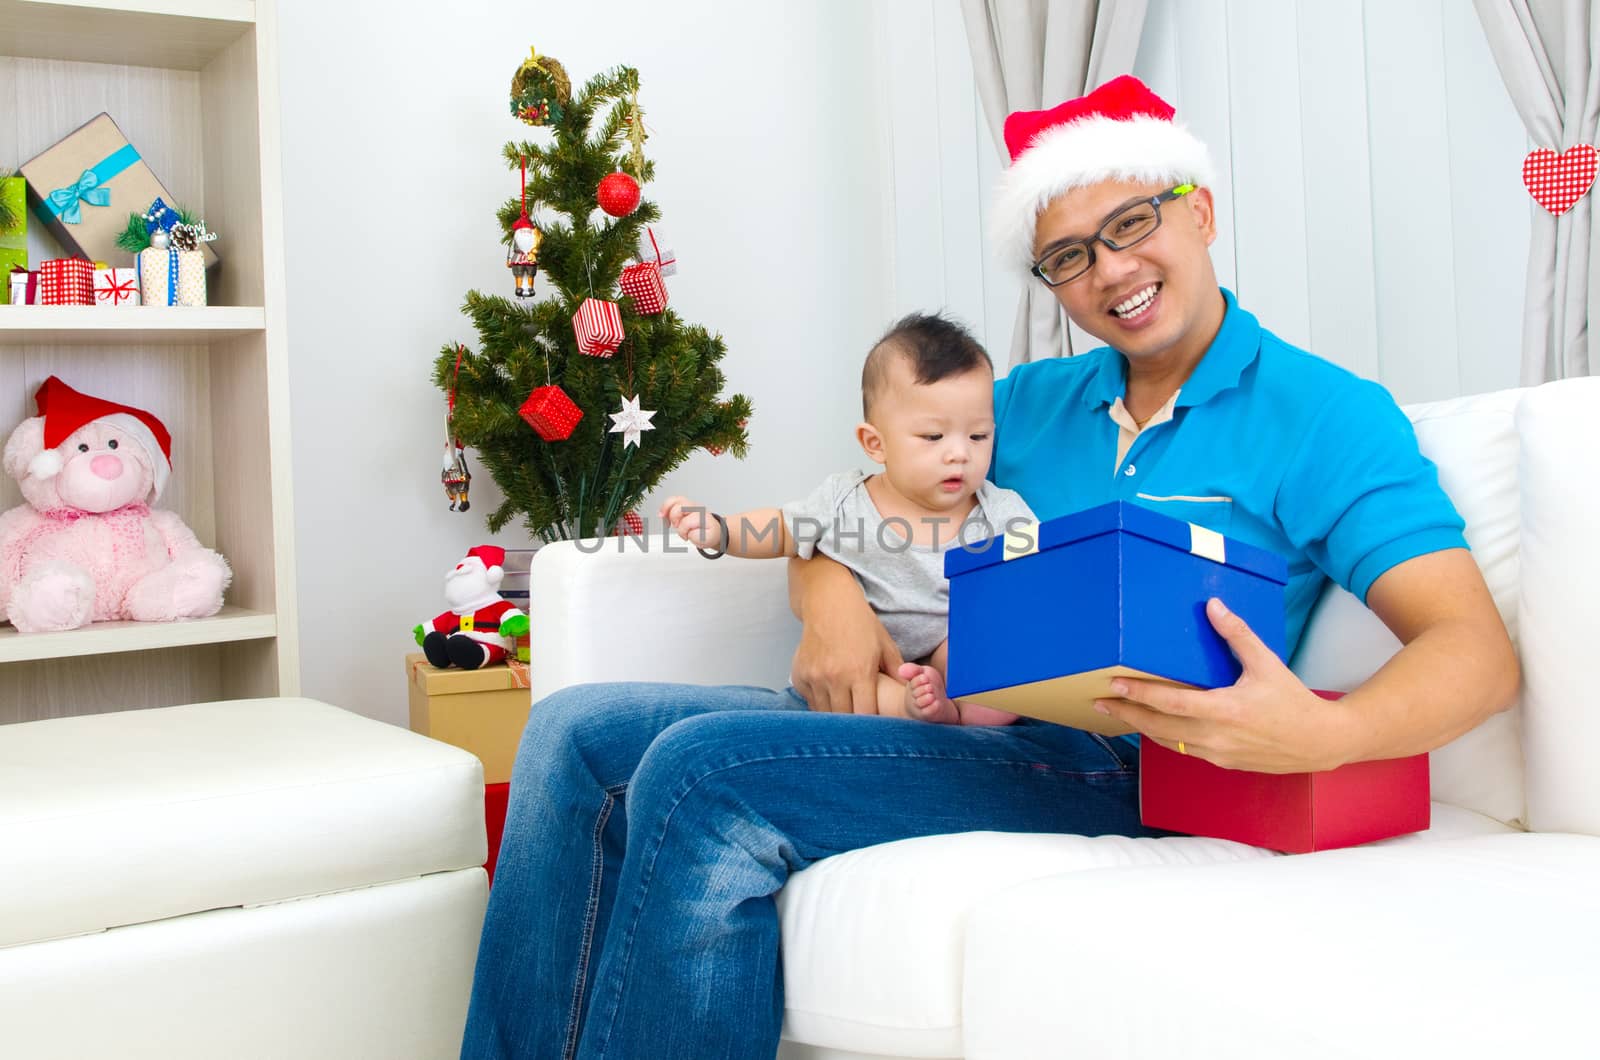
657 935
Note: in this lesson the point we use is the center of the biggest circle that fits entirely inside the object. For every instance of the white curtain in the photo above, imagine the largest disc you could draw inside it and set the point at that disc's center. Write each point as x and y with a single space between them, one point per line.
1032 54
1548 52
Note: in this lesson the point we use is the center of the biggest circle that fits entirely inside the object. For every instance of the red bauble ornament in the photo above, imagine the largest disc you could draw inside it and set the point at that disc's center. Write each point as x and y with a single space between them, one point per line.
618 194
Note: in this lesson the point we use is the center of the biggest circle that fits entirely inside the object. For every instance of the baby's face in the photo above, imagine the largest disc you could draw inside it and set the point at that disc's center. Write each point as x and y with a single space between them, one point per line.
938 438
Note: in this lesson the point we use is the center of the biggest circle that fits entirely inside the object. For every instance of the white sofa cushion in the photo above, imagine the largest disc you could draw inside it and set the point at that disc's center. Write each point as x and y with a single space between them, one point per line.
1474 442
381 972
1464 948
1560 611
114 819
874 940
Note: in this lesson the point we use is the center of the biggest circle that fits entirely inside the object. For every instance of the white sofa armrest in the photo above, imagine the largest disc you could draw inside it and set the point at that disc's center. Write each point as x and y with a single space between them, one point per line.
632 611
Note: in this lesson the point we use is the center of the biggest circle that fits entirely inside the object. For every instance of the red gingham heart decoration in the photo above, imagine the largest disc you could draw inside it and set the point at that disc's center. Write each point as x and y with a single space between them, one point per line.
1557 182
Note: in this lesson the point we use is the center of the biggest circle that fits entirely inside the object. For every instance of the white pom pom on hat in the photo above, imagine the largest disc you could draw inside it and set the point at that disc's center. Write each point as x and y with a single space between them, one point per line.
1120 131
66 410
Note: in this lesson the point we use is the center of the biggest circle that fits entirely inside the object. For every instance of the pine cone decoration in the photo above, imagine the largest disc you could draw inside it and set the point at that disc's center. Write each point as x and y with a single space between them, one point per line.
185 237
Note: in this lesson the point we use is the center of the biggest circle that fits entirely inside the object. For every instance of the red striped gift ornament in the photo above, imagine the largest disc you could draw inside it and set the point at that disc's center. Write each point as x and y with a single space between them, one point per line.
66 281
598 327
642 283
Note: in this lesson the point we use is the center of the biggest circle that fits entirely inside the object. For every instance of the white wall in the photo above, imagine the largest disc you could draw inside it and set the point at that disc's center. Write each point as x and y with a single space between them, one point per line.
770 180
1370 198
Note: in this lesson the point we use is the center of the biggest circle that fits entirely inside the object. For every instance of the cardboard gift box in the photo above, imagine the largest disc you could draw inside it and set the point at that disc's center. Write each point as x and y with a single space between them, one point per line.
482 711
13 240
1043 618
86 186
1292 812
66 281
116 287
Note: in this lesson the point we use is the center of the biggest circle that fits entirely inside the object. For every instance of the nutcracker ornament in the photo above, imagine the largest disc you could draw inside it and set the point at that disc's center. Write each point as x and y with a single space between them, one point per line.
481 627
455 477
523 256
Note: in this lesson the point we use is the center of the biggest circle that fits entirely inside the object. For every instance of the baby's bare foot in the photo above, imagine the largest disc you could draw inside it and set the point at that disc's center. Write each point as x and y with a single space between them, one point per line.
925 698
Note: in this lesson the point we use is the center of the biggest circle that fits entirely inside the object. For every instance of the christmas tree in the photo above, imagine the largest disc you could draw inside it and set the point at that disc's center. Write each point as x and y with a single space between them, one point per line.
641 406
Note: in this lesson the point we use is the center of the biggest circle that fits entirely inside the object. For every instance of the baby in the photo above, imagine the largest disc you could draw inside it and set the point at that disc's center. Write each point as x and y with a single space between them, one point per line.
927 396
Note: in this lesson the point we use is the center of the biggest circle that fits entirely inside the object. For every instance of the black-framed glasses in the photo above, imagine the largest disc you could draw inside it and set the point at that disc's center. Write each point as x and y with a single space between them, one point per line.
1130 225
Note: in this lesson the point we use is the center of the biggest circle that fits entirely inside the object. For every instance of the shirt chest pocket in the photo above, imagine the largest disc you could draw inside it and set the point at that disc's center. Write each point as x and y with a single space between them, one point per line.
1211 512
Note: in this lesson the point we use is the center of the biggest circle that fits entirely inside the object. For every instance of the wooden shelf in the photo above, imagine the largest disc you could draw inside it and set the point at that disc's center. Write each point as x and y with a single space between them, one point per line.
97 325
176 34
104 638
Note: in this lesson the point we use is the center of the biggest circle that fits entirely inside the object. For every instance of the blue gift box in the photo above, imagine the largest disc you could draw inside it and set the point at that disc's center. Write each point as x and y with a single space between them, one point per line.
1041 619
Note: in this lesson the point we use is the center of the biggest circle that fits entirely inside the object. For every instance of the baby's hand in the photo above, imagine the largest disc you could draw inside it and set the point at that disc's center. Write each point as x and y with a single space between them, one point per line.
693 522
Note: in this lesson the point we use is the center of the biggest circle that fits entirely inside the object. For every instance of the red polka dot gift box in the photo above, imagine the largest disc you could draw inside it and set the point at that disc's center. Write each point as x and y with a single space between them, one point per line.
549 411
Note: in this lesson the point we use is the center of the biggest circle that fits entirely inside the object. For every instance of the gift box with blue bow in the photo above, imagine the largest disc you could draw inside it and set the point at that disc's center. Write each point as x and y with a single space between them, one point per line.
84 188
1042 618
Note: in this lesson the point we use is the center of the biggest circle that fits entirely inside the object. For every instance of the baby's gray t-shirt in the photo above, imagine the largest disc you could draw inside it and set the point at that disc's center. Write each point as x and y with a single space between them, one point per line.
904 583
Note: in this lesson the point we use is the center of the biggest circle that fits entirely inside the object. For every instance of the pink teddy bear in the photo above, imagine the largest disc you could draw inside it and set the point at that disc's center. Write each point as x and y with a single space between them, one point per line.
86 547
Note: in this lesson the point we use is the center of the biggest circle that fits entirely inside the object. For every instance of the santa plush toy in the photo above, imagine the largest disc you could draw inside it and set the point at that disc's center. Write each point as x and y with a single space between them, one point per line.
87 547
481 627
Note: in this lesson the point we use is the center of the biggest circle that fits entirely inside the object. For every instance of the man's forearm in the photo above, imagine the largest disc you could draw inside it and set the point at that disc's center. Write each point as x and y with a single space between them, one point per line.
1447 681
815 577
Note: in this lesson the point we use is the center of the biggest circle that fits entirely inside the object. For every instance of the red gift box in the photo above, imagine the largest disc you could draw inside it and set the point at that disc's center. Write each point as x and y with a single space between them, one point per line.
1292 812
643 283
495 797
598 326
66 281
549 411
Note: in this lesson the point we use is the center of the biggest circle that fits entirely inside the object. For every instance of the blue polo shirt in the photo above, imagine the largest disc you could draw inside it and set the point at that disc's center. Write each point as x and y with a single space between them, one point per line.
1267 444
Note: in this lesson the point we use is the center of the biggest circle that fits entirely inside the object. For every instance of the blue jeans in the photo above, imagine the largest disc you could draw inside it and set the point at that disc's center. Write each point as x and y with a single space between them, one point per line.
650 827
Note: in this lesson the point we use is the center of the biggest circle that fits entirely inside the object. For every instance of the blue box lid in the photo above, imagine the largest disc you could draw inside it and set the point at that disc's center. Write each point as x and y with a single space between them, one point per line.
1132 519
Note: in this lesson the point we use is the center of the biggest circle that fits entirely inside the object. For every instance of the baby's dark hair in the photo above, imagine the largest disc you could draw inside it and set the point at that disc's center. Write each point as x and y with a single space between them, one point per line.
935 346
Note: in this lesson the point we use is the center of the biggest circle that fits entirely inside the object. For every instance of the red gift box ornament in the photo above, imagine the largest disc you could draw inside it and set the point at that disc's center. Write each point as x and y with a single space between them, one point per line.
66 281
643 283
549 411
598 327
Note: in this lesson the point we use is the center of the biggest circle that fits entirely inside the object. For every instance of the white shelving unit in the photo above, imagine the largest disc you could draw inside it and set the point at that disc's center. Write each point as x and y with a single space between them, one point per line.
193 83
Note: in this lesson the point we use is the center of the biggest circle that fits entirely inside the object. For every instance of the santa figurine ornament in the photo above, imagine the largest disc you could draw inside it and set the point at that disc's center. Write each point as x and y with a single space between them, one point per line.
481 628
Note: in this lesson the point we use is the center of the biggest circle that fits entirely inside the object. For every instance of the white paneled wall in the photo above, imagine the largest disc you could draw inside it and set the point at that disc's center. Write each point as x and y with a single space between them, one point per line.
1370 201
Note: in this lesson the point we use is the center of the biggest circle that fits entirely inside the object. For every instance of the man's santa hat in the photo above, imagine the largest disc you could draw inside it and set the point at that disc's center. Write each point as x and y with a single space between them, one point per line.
65 410
1120 131
490 555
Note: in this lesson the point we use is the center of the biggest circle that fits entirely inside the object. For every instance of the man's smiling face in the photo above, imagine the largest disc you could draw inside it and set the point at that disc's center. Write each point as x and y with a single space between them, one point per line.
1146 300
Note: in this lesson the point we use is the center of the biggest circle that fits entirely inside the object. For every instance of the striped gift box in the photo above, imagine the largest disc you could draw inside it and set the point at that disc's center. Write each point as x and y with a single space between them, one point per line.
598 327
66 281
642 283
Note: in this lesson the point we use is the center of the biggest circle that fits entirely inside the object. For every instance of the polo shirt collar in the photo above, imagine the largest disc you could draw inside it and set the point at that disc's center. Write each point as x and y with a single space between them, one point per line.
1231 352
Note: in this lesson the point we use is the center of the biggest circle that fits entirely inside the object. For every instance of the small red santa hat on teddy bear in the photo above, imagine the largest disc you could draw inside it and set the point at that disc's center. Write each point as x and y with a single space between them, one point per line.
66 410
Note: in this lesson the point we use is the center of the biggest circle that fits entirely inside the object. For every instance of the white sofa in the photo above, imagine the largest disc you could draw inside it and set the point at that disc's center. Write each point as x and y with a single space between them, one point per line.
255 880
1476 938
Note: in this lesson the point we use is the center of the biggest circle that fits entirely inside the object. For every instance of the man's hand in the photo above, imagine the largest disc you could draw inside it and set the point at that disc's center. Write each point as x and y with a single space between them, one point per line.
693 522
1267 721
843 646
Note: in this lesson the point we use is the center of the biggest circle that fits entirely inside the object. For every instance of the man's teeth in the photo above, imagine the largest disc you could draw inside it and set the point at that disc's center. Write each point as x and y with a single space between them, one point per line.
1134 304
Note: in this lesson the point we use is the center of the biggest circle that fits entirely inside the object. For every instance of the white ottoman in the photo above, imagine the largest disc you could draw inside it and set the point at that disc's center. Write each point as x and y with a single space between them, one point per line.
259 878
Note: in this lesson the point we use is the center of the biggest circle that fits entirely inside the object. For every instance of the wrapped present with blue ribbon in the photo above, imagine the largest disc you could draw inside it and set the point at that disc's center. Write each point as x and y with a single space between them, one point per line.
85 187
